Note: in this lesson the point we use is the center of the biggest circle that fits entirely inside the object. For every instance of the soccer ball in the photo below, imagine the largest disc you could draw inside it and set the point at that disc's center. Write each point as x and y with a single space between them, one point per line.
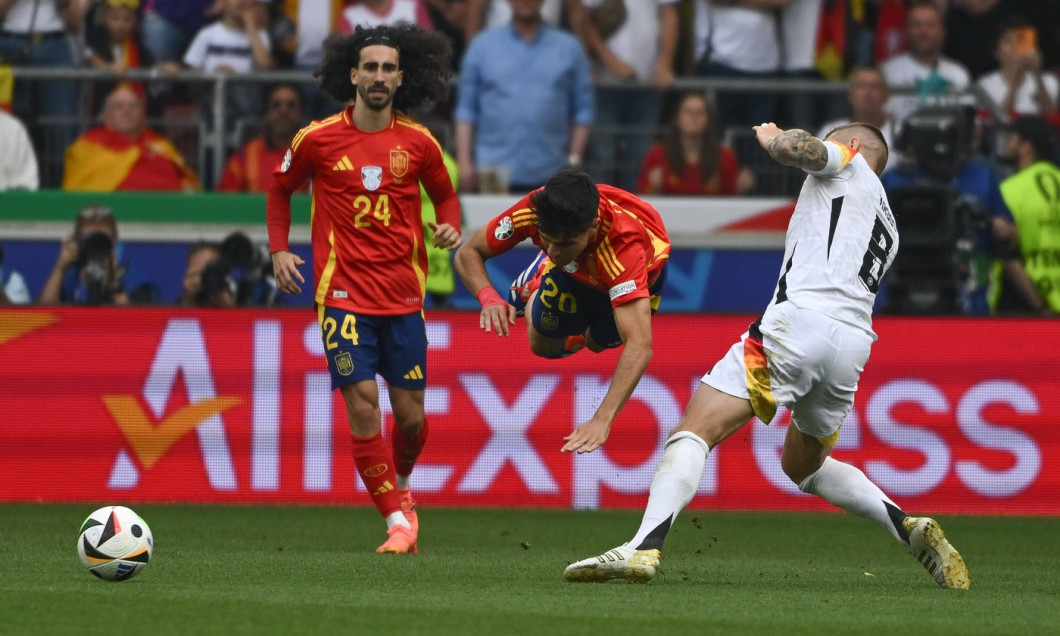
114 543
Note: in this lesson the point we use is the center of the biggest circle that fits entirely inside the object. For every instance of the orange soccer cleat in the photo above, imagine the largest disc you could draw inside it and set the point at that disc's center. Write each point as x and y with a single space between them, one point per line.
402 540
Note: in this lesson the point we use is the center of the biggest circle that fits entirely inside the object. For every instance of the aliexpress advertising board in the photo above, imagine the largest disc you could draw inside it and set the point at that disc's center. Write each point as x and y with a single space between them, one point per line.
952 416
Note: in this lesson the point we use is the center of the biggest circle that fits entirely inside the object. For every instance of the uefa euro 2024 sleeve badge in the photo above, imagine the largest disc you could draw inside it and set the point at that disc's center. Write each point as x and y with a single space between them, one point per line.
504 230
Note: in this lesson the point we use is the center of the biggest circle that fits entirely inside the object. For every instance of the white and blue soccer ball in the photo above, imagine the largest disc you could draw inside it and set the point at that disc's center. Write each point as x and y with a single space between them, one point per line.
114 543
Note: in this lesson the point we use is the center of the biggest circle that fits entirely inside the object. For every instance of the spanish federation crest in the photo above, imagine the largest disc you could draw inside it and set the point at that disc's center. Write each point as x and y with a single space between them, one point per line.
344 363
505 229
286 161
399 163
371 177
549 321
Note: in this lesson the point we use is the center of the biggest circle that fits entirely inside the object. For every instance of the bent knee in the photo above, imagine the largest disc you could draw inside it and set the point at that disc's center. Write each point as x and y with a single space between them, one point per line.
547 348
799 468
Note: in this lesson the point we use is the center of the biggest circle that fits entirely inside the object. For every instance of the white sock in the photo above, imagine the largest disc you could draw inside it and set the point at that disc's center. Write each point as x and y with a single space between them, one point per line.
397 519
672 488
403 482
848 488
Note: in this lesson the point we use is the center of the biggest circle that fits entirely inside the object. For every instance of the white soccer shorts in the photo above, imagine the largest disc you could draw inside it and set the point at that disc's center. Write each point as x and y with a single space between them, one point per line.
805 361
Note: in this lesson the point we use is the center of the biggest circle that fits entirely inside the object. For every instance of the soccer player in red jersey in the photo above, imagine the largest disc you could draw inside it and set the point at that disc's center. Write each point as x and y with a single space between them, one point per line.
595 285
369 259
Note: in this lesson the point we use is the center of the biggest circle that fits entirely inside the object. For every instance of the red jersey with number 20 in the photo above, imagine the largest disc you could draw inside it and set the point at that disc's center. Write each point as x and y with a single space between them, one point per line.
623 259
369 255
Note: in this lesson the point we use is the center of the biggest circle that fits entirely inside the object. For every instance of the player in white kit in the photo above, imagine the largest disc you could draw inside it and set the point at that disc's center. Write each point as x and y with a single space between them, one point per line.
806 352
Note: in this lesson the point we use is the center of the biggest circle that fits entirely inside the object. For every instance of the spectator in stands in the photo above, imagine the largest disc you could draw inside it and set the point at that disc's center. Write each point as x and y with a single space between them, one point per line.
525 101
18 161
90 269
979 22
798 24
37 33
923 74
638 42
299 29
728 51
1020 86
1032 268
124 154
487 14
114 43
868 96
237 44
170 25
690 160
370 13
250 168
13 288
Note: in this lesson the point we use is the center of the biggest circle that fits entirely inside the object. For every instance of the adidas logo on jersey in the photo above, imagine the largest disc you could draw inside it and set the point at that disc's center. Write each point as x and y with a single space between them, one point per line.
386 487
415 374
343 164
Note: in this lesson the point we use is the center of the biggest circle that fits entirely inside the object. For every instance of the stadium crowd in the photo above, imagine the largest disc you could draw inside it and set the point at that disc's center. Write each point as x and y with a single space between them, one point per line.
546 84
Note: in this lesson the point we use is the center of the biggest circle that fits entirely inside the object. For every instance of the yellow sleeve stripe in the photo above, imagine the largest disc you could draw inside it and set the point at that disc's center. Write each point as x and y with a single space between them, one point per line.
301 134
608 259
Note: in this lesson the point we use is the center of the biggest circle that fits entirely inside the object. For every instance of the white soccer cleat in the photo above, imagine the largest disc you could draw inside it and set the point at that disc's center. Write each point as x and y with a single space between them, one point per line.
928 544
623 562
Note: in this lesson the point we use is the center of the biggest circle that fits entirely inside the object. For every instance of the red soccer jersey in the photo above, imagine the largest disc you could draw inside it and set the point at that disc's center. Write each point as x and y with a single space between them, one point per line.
368 243
623 259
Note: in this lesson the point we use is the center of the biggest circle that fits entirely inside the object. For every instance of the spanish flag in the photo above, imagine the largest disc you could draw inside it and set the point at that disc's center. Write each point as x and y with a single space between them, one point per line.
103 160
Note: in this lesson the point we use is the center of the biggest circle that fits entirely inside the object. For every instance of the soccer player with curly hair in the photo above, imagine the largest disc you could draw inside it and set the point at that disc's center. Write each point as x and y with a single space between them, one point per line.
366 164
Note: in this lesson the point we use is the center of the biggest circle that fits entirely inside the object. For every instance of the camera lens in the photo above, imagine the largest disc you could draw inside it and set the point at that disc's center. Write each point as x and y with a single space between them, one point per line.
95 247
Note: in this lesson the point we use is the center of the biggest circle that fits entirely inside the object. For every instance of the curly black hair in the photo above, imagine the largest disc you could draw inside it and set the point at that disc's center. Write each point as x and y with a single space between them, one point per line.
423 56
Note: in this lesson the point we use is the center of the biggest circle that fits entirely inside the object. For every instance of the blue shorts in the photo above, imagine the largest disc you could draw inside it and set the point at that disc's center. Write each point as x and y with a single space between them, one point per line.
359 346
565 307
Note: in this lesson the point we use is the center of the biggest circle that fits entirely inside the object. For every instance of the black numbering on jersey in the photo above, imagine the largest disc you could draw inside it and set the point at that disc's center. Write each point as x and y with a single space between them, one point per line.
875 259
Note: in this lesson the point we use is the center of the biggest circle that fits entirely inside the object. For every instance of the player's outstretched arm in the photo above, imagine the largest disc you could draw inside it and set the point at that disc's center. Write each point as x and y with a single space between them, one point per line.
470 264
285 269
633 320
794 147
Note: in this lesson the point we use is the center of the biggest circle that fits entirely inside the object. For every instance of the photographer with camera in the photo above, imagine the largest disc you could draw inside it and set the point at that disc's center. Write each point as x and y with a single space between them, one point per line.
949 206
233 273
90 271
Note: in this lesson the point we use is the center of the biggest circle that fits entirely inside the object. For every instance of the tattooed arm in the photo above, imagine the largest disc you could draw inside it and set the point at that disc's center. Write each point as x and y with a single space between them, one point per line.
794 147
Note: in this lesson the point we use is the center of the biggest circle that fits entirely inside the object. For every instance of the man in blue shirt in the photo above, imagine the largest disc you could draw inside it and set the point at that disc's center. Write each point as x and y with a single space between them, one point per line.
525 101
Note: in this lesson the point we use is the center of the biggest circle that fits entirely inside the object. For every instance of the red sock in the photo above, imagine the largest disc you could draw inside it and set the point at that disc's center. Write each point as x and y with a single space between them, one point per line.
407 449
371 455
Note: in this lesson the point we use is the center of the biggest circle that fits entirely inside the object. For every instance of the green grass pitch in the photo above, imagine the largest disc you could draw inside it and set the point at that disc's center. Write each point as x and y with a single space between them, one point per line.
313 570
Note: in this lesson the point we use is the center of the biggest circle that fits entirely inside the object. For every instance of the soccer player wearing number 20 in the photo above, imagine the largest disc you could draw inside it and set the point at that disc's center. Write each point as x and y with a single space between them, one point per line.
806 352
369 260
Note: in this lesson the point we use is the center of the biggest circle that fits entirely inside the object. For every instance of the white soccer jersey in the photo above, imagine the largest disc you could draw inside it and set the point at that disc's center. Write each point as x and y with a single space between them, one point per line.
840 241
